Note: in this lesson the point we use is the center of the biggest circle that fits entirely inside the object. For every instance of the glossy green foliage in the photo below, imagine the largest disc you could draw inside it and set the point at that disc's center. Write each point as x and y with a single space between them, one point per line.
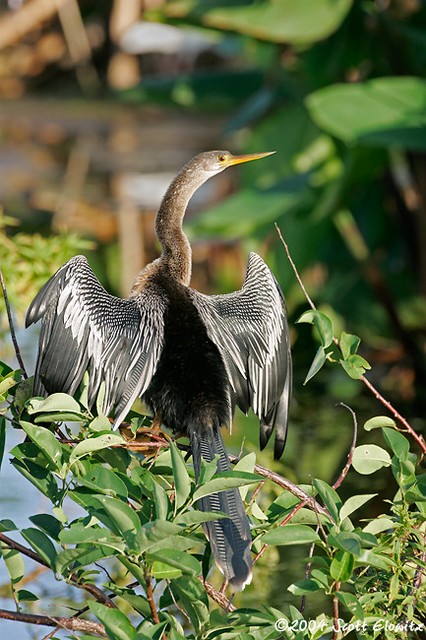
138 540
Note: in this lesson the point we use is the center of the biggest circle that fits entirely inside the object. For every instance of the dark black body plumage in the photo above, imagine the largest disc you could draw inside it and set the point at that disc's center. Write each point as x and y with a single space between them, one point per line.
189 389
192 358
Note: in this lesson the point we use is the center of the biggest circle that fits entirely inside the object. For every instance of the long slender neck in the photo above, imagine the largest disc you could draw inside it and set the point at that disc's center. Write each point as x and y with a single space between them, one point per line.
176 256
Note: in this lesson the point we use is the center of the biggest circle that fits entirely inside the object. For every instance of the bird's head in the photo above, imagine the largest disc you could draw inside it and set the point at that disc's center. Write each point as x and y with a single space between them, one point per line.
213 162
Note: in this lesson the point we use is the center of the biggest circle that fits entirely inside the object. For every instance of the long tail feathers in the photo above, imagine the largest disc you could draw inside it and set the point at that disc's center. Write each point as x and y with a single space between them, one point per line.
229 538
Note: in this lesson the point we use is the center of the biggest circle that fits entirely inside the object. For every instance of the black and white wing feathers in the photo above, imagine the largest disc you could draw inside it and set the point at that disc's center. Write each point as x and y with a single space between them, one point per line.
84 328
249 327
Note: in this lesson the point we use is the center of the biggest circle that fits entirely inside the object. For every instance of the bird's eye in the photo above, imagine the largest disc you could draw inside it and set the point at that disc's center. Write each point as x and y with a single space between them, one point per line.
222 157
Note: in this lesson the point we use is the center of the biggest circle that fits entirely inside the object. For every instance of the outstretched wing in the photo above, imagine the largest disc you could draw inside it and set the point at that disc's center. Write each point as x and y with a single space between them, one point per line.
84 328
250 329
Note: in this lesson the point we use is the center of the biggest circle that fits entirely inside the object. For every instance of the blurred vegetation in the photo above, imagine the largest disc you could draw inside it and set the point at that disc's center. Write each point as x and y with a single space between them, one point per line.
337 88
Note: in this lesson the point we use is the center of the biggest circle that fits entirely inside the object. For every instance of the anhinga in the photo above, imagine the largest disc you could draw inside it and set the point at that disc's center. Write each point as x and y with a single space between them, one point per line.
189 356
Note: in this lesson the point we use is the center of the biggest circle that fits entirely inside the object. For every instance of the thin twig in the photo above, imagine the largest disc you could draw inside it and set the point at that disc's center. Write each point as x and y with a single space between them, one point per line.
75 624
336 613
419 439
348 464
90 588
289 486
293 266
12 327
218 597
150 596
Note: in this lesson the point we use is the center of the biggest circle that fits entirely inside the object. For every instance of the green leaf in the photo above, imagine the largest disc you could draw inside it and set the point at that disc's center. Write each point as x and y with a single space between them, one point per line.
80 557
341 566
79 533
25 596
185 562
39 476
317 364
47 523
353 503
196 517
355 366
287 21
351 603
380 524
14 563
322 323
330 498
397 442
225 480
379 422
346 541
291 534
246 463
57 402
348 344
181 477
125 521
100 479
95 443
47 443
191 594
374 559
7 525
41 545
368 458
162 502
387 111
116 624
2 437
303 587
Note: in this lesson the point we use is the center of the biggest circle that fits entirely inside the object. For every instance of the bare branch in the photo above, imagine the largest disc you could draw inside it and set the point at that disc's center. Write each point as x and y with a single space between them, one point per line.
75 624
218 597
12 327
73 578
289 486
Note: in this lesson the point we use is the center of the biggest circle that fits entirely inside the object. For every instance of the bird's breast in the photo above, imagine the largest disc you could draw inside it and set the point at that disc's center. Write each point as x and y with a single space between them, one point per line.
190 388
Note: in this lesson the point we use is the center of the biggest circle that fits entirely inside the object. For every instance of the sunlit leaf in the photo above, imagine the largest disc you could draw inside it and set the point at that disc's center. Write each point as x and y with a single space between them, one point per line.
377 422
95 444
368 458
46 442
348 344
397 442
303 587
291 534
387 111
353 503
181 477
286 21
330 498
341 566
185 562
115 622
226 480
322 323
14 563
57 402
355 366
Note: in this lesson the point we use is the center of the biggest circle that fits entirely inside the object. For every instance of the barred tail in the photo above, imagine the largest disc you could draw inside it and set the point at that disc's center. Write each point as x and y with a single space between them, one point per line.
229 538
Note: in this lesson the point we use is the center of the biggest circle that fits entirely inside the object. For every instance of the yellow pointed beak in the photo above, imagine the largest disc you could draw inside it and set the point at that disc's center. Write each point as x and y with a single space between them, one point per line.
248 157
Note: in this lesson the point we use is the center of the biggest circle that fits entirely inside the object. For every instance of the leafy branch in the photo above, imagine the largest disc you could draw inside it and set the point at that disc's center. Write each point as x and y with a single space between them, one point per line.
353 363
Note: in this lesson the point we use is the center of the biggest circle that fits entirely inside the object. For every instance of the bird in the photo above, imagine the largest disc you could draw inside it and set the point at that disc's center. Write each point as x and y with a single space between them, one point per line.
191 357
